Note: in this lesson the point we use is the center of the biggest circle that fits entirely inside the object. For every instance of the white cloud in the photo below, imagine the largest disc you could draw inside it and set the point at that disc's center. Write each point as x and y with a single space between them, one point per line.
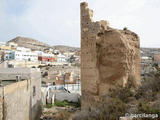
49 21
58 22
1 12
134 5
140 16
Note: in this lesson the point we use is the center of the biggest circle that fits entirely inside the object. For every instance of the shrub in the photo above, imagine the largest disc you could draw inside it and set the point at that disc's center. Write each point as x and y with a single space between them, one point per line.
112 108
118 102
60 104
123 93
66 103
62 115
150 87
107 109
145 107
48 105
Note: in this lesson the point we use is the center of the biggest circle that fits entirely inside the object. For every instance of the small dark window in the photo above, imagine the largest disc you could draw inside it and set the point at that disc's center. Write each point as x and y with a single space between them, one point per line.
34 90
54 83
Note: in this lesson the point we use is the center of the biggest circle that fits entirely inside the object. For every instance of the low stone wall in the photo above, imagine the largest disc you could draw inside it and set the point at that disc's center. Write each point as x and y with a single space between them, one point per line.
22 100
17 101
71 97
28 64
36 102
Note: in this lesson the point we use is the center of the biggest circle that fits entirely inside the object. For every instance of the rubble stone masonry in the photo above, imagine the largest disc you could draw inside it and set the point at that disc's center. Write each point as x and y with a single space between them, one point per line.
108 57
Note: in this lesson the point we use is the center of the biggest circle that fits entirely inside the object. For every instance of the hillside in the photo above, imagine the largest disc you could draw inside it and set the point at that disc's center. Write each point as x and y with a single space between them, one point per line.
29 43
149 51
65 48
37 45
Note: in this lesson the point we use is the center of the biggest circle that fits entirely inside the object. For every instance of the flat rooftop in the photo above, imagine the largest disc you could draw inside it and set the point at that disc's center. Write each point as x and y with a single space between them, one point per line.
10 74
6 82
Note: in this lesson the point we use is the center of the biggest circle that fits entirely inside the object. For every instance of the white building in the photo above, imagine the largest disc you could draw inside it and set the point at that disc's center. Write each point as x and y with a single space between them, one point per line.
12 44
69 54
47 55
61 58
39 52
56 51
23 49
2 43
27 56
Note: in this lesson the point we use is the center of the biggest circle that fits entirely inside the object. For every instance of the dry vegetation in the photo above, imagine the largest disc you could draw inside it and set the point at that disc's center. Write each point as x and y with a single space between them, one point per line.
122 100
125 100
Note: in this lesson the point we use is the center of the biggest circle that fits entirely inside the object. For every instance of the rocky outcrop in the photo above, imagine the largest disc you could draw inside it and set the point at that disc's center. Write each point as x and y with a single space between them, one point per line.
29 43
65 48
37 45
109 57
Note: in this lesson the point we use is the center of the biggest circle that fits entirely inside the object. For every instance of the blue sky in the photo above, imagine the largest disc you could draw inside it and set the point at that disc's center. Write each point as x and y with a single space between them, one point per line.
57 22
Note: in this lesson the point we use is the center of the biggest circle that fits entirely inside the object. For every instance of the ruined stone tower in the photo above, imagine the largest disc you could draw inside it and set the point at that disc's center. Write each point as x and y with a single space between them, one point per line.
108 57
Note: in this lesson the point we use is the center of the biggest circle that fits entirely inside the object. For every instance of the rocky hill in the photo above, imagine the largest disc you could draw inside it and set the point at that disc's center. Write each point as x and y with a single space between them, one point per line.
29 43
149 51
65 48
37 45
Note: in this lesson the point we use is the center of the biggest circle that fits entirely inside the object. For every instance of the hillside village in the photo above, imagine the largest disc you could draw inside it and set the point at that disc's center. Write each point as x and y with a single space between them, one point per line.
21 49
57 71
109 78
13 55
59 68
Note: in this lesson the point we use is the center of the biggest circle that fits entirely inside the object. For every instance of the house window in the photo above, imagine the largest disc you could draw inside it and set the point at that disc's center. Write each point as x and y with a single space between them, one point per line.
34 91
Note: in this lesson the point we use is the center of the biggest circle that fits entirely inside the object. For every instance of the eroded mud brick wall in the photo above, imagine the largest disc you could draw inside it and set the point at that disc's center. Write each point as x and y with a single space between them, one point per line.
109 57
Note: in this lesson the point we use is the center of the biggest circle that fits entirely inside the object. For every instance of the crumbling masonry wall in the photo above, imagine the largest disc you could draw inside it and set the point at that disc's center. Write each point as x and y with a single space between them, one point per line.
108 57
